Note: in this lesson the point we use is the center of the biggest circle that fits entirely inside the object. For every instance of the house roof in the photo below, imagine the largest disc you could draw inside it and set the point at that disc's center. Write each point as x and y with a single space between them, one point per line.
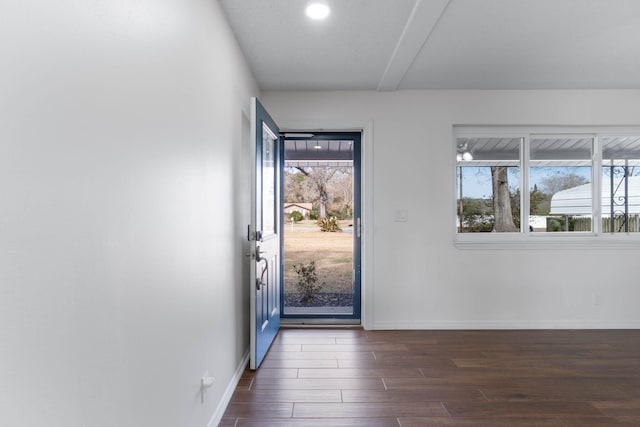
305 206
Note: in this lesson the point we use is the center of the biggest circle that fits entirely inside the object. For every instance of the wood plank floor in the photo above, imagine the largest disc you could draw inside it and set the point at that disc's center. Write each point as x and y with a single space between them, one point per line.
352 377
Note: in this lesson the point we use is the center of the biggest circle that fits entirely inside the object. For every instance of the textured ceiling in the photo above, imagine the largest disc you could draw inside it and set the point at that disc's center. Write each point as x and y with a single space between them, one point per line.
441 44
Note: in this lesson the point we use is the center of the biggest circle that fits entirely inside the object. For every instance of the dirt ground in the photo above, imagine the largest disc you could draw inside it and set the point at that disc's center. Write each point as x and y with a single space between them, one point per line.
332 252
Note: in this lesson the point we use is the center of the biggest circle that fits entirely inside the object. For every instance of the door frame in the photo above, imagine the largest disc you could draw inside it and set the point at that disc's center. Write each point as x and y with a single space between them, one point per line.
341 319
367 282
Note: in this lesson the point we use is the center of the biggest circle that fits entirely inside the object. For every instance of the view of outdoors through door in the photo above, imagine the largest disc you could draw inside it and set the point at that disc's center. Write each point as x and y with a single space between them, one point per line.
321 235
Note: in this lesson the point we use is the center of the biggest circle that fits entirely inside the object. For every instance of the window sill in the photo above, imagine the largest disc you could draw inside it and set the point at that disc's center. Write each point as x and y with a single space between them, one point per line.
516 241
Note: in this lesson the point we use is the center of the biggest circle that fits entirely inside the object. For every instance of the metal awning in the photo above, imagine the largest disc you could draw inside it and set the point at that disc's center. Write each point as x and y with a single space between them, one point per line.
318 153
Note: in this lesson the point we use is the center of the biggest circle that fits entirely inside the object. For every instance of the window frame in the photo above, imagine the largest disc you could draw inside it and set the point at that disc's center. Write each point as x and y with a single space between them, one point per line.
524 239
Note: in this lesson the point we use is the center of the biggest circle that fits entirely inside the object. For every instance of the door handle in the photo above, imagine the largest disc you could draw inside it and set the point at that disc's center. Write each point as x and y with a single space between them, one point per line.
265 269
259 256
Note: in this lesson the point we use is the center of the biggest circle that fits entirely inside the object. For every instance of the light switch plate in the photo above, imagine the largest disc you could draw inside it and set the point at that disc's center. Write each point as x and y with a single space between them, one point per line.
401 215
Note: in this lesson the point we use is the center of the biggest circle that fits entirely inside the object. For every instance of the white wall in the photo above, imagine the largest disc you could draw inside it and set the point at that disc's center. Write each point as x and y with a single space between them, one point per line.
122 210
415 277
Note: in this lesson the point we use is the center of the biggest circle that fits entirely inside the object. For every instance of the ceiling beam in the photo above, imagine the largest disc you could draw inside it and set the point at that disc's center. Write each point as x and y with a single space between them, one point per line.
423 19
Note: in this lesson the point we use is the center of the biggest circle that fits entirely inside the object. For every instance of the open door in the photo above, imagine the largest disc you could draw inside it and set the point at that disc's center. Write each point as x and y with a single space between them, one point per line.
264 234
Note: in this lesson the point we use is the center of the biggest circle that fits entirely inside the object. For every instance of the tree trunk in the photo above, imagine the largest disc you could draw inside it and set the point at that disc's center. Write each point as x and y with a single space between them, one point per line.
502 215
323 204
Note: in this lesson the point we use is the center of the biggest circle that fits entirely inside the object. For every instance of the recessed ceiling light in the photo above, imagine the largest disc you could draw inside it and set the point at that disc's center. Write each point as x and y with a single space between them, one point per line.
317 9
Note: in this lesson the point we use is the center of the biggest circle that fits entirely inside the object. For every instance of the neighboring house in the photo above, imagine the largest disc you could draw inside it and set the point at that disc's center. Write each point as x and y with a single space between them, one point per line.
537 222
303 208
578 200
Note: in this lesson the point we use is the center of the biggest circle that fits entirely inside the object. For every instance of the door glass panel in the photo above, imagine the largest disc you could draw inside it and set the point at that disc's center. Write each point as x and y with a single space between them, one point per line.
268 181
321 273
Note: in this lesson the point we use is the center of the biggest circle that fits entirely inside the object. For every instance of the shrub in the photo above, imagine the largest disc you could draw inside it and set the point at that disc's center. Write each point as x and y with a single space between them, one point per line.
296 216
307 281
329 224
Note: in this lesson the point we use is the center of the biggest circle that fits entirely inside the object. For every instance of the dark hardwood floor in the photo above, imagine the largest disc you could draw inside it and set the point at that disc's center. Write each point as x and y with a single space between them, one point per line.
352 377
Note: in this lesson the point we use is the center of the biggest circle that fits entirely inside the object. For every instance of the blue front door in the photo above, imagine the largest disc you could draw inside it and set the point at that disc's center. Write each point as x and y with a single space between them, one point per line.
264 235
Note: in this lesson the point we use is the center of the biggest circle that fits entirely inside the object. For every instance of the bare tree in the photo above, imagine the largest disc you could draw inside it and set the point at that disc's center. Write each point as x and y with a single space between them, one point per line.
329 188
554 183
294 188
502 213
320 178
342 184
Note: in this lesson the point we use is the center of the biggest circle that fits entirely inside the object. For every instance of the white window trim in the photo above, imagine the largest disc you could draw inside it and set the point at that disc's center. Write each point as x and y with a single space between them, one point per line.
524 240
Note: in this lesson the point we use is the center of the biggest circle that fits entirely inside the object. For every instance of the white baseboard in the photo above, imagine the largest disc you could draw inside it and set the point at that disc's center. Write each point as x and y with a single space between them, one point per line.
228 393
509 324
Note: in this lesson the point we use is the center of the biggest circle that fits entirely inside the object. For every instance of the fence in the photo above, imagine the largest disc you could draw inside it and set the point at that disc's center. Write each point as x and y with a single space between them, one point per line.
582 223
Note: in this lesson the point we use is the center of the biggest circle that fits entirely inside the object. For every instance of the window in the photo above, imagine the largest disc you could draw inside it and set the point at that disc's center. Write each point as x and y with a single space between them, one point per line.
620 184
488 181
555 181
560 195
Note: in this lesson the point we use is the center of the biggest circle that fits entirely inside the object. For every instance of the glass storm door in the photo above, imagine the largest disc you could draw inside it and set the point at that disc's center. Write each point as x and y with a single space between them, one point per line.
321 229
264 236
